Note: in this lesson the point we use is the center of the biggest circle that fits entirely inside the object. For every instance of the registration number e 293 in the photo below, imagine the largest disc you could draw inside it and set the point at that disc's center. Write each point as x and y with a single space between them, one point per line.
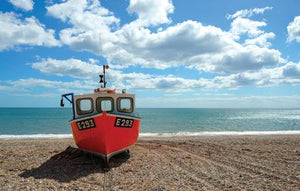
86 124
123 122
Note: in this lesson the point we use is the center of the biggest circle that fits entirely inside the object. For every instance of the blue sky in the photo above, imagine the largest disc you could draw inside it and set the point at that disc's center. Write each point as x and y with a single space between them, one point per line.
169 53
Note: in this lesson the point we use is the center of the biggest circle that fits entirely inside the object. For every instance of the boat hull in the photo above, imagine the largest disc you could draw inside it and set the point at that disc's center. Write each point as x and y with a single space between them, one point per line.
105 134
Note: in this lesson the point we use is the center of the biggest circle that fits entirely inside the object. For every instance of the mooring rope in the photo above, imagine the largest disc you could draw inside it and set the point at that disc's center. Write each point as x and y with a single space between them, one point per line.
104 181
106 170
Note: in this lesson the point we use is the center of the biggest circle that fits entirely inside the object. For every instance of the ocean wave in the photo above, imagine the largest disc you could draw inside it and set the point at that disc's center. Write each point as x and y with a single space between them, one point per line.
36 136
269 116
183 134
177 134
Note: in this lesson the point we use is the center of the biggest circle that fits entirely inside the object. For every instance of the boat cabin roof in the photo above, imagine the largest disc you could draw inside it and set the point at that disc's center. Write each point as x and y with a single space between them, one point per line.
104 100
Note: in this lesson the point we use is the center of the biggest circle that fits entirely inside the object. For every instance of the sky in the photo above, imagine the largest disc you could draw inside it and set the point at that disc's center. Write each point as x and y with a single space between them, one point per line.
170 54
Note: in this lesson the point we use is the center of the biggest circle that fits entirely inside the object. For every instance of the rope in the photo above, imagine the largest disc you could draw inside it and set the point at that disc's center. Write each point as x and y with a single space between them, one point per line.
104 181
106 170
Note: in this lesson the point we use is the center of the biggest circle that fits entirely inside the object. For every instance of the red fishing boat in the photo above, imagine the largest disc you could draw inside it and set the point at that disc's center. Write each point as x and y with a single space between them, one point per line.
104 122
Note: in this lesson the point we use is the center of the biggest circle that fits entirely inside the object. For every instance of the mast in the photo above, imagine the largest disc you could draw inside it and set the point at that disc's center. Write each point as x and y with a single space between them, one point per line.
105 67
102 76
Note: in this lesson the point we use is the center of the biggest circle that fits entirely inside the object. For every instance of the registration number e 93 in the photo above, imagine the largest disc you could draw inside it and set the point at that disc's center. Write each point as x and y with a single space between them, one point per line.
123 122
86 124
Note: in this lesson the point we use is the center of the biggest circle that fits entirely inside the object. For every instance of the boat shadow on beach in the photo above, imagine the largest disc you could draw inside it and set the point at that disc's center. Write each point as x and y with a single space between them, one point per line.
72 164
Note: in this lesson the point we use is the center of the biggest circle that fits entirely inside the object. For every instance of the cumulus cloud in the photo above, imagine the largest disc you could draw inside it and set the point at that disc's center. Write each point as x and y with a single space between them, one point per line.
242 25
246 26
25 86
33 82
286 74
174 46
71 67
248 58
294 30
92 24
291 70
88 71
16 32
26 5
248 12
83 14
3 88
190 43
261 40
45 86
151 12
206 48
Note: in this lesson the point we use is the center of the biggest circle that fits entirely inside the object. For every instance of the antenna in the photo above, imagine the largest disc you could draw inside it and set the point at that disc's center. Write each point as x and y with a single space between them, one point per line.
100 47
102 76
105 67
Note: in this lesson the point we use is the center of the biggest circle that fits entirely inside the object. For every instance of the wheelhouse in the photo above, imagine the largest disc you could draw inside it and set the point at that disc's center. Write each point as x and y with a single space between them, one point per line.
92 104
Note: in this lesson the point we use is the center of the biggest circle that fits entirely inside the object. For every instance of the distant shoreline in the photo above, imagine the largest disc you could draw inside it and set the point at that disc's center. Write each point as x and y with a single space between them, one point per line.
158 135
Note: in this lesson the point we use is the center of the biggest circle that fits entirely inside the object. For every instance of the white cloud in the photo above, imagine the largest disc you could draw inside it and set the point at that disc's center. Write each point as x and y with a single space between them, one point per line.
71 67
40 95
294 30
246 26
291 70
286 74
241 25
3 88
22 84
261 40
92 24
44 86
26 5
176 45
191 44
83 14
206 48
237 59
51 89
16 32
188 43
151 12
87 72
252 34
248 12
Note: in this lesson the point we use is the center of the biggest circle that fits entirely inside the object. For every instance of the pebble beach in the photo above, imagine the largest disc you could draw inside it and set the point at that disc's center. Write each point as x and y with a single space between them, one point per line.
264 162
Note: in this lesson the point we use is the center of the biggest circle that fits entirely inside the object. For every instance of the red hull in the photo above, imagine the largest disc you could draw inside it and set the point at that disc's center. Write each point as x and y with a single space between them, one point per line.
110 133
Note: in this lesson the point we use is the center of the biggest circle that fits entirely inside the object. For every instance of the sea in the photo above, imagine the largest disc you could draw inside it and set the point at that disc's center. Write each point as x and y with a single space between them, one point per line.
31 123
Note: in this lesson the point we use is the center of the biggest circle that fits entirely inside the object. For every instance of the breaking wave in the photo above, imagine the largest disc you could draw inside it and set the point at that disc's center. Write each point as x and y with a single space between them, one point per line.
183 134
36 136
178 134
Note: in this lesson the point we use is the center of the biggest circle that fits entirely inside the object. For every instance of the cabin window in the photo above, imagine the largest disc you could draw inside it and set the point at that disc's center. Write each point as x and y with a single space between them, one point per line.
105 104
84 106
125 105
